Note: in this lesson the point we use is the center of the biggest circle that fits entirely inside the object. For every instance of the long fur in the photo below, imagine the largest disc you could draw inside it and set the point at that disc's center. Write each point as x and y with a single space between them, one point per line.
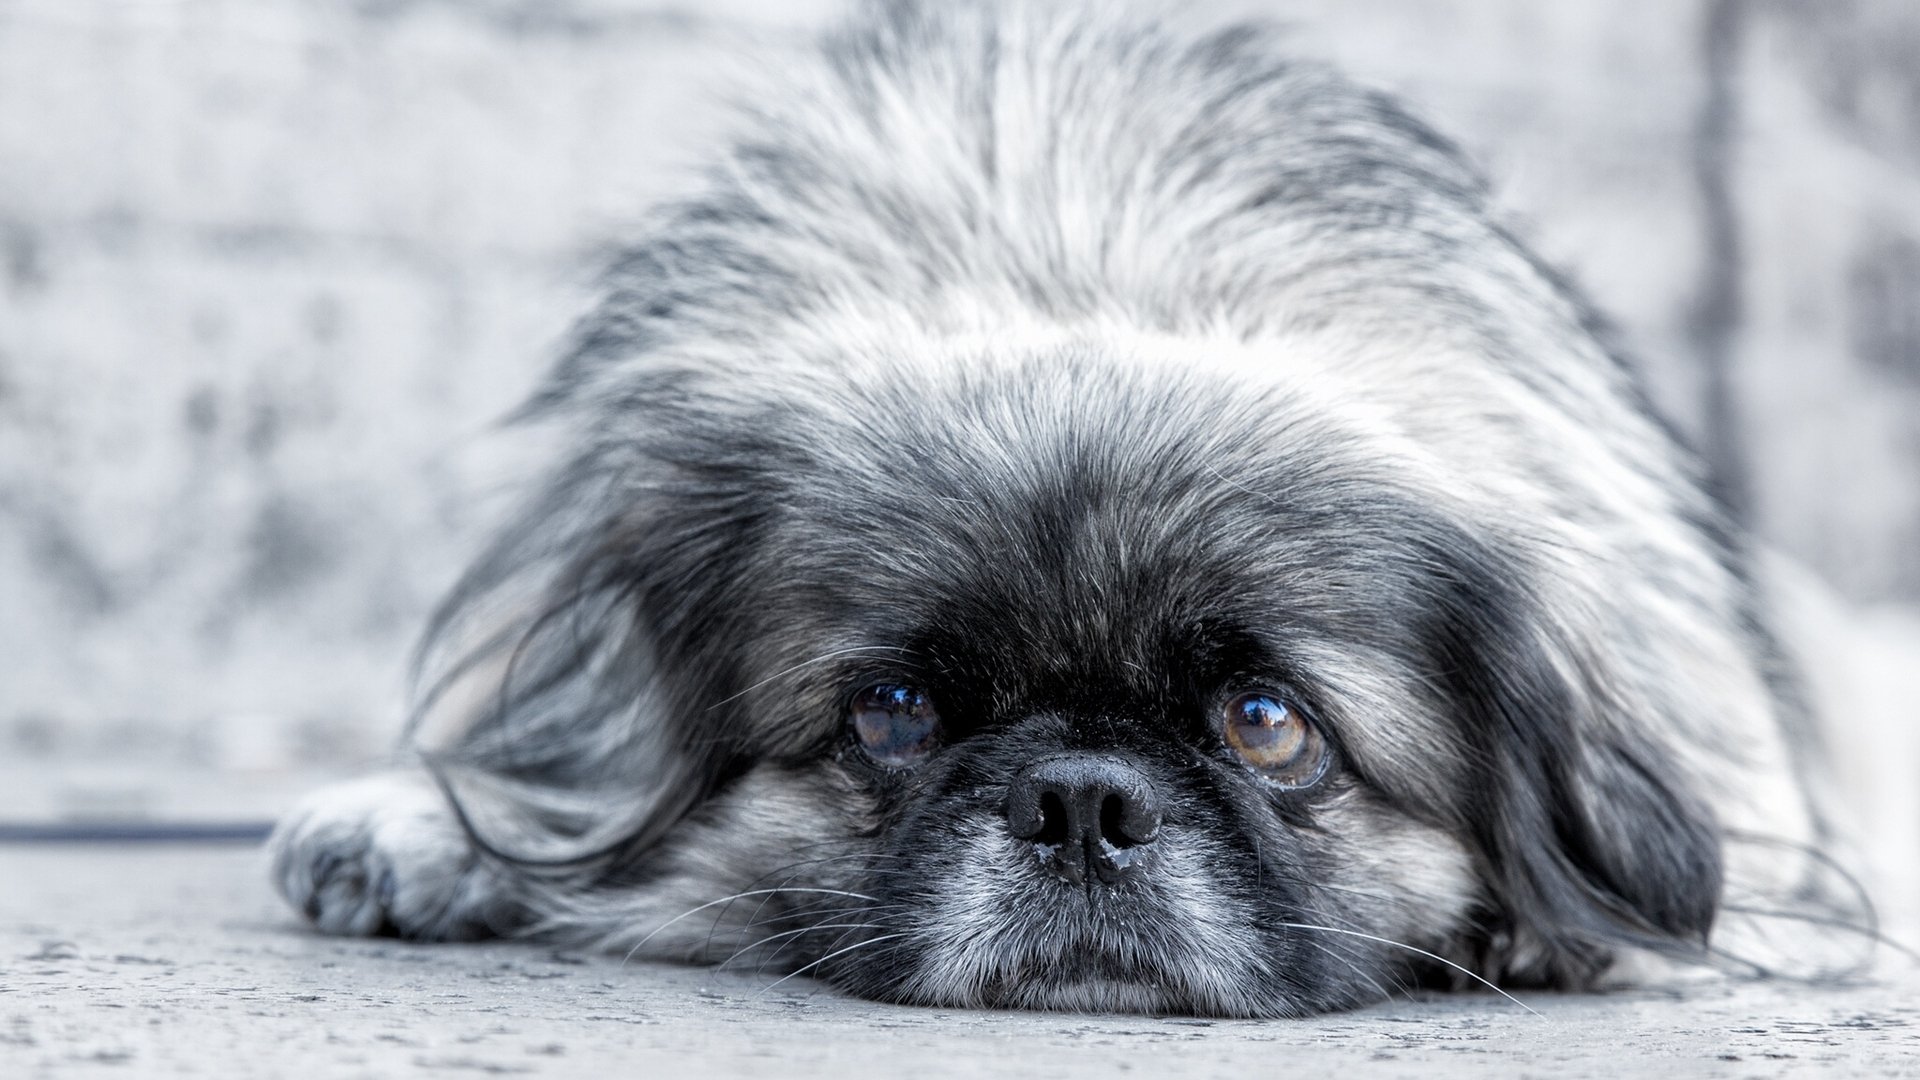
1078 366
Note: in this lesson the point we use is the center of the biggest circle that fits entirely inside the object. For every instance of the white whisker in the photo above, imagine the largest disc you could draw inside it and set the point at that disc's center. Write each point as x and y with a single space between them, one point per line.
1412 949
829 956
822 658
736 896
770 938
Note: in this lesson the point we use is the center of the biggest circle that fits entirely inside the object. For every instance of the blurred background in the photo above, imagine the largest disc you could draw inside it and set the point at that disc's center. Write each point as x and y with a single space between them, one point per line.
271 271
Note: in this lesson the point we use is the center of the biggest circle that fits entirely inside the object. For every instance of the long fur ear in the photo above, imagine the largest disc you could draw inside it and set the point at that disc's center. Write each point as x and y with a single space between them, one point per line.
1593 849
1593 840
541 702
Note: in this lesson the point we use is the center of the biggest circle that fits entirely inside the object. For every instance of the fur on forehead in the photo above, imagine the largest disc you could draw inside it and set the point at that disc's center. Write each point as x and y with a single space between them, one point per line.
1045 521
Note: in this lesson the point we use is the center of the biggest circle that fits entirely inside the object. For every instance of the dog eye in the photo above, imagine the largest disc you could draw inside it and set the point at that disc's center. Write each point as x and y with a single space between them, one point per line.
1275 738
896 725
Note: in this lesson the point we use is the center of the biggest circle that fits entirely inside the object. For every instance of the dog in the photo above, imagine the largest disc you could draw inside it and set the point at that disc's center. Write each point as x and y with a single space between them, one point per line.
1080 514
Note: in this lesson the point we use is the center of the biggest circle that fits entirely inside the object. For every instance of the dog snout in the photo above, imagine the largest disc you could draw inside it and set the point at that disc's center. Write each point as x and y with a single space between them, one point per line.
1087 815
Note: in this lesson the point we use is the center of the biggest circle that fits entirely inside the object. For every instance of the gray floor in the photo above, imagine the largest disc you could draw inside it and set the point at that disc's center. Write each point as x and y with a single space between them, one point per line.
138 961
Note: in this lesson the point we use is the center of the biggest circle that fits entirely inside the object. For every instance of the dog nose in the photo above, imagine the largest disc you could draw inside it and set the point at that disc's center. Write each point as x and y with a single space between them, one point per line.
1085 814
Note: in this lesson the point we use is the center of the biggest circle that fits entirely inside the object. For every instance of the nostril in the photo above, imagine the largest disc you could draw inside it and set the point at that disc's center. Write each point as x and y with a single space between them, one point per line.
1114 824
1111 809
1086 816
1053 820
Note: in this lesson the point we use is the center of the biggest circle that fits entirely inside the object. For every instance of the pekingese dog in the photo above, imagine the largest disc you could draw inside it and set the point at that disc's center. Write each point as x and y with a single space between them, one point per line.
1085 515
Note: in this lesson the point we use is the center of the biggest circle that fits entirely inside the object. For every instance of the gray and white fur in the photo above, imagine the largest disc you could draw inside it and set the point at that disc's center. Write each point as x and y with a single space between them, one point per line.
1076 370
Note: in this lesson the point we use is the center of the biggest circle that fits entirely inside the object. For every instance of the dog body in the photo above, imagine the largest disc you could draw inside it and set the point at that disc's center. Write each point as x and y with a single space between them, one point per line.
1084 515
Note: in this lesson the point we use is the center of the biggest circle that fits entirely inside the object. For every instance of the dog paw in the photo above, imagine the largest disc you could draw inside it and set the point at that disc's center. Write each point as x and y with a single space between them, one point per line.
382 855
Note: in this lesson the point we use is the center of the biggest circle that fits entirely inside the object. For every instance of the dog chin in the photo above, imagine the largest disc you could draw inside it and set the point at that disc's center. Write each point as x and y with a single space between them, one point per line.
1087 973
1005 932
1113 970
1121 995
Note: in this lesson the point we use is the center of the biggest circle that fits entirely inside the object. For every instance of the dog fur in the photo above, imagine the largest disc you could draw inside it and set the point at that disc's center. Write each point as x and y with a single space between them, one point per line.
1082 368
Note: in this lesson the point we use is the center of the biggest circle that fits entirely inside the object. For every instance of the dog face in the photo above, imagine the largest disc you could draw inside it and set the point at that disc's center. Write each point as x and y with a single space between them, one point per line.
1071 678
1111 710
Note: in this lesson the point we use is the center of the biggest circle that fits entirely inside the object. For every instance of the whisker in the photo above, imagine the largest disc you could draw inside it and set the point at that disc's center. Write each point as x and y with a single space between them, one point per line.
1353 966
811 912
835 943
806 911
876 909
822 658
745 949
729 899
1412 949
837 952
795 867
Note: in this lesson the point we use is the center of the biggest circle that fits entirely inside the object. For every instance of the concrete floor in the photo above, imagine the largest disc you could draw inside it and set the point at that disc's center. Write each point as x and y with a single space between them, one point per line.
154 960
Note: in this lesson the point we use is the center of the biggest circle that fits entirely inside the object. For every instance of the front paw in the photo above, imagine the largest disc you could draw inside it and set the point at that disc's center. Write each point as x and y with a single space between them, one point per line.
383 855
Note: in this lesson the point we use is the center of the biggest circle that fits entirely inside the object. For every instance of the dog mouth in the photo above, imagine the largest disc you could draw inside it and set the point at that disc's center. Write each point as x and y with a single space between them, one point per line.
1071 888
1054 991
1014 924
1038 966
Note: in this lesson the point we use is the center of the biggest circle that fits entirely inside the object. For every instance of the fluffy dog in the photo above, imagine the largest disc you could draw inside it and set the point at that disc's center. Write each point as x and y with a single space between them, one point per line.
1082 515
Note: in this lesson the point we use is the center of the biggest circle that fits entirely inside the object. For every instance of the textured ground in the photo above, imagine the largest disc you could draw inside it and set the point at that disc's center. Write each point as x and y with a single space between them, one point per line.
144 961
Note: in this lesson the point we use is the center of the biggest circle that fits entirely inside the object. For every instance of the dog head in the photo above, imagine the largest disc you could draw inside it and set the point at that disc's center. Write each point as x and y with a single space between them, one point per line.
1090 674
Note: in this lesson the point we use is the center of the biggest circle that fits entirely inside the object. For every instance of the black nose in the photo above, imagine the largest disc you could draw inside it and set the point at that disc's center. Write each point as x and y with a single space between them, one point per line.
1085 814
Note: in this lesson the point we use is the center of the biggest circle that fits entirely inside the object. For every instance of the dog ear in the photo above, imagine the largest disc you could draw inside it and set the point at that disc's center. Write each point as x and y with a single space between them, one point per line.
1595 848
546 701
1592 839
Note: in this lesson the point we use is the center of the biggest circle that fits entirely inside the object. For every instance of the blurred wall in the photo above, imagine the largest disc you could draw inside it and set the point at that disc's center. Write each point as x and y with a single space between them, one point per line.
270 269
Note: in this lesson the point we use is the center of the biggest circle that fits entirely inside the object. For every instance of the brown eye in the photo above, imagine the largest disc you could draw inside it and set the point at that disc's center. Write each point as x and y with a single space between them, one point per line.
1275 738
896 725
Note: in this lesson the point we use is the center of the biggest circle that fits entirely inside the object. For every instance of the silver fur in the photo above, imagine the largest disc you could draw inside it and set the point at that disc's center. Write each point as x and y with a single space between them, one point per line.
1068 361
